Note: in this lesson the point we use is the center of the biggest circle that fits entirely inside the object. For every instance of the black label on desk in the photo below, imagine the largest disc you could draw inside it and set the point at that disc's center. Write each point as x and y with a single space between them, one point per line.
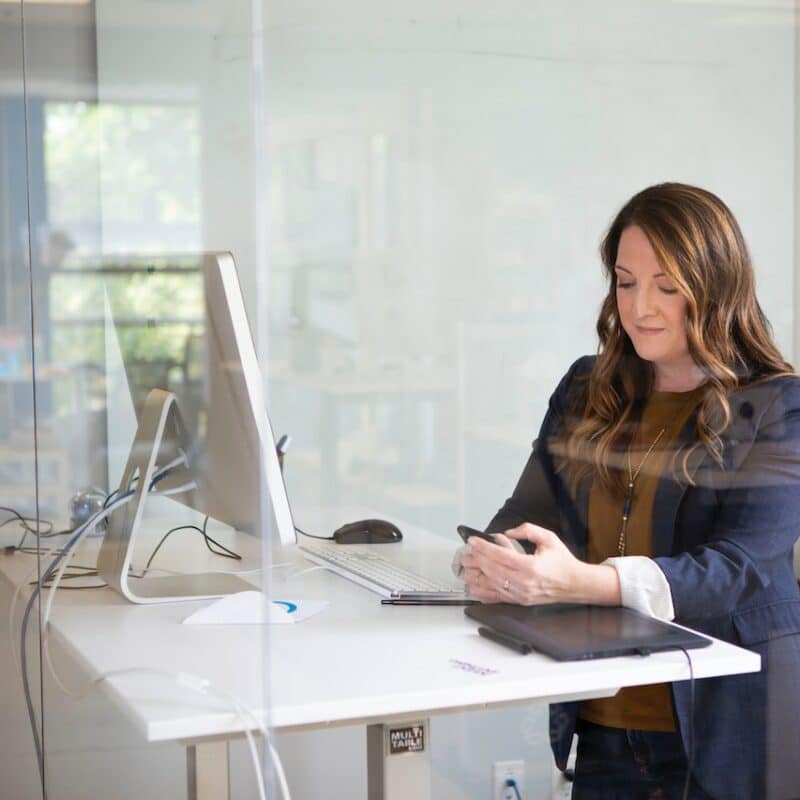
408 739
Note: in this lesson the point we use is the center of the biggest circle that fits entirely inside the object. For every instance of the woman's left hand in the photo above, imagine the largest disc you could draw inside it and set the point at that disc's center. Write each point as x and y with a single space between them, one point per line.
500 574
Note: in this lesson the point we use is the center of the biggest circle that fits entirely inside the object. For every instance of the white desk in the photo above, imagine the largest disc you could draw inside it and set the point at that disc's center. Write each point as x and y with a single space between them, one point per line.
357 661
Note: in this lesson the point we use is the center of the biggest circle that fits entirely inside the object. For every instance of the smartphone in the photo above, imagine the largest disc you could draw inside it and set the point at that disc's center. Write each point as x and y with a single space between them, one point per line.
464 531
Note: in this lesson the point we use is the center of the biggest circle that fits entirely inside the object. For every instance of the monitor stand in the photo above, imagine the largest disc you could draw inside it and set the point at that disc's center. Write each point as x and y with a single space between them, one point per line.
160 439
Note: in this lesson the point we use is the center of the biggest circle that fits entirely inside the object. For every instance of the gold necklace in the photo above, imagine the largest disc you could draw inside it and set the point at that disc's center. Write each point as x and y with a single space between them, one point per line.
632 476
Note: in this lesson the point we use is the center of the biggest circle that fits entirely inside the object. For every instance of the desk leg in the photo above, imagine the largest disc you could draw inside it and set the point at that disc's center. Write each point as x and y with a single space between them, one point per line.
398 761
207 771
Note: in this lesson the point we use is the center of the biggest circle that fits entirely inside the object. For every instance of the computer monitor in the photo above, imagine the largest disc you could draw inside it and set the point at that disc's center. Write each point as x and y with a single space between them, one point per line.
231 471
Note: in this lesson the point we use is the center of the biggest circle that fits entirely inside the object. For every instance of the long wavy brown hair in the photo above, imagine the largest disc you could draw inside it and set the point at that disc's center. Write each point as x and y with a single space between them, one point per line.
700 246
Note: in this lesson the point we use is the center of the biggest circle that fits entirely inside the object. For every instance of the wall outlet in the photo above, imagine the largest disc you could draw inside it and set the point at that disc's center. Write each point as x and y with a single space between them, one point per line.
501 772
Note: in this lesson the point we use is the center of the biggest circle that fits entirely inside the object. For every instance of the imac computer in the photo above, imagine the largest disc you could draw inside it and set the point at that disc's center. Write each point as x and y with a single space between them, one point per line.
205 440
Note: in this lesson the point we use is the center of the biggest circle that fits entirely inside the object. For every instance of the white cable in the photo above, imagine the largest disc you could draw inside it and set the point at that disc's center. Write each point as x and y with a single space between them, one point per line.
197 684
15 655
251 743
180 459
276 759
294 575
12 613
65 689
204 686
63 554
140 573
186 487
90 526
13 607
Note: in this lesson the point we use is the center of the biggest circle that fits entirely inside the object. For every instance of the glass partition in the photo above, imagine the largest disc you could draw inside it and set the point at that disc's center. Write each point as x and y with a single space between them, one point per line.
25 489
413 200
439 180
122 164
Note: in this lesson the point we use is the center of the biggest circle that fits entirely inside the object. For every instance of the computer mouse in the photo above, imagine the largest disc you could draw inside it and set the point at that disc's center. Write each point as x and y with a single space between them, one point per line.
367 531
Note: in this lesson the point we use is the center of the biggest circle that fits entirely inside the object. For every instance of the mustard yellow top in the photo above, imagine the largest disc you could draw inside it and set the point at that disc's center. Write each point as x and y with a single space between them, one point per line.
646 707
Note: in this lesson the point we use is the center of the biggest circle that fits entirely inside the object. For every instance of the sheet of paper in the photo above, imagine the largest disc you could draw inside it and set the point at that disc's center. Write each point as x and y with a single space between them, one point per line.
250 608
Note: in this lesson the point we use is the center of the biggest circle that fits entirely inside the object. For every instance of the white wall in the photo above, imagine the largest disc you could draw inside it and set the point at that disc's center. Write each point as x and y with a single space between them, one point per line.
451 170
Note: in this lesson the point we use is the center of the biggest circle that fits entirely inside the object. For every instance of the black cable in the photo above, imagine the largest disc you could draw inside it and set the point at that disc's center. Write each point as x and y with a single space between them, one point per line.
223 551
211 543
79 572
37 551
111 495
31 551
70 572
227 552
83 572
164 539
23 521
103 585
512 784
313 536
26 528
51 533
690 755
48 584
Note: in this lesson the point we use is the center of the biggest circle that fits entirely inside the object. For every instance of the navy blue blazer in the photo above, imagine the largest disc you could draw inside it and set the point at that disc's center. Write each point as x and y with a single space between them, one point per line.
725 546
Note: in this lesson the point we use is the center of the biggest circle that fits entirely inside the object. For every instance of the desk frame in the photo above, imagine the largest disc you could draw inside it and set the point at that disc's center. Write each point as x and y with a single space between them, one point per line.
381 686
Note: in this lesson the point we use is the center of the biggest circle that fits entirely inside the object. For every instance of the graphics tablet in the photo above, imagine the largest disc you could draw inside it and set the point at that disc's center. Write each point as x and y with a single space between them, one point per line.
576 632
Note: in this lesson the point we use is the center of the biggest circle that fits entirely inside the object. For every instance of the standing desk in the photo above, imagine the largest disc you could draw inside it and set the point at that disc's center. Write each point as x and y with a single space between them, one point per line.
355 662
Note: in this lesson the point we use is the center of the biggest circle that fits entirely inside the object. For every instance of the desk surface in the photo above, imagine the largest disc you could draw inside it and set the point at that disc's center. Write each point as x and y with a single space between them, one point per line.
356 661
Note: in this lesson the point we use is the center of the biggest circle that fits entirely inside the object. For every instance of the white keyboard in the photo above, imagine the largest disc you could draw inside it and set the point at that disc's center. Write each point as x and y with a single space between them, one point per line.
375 572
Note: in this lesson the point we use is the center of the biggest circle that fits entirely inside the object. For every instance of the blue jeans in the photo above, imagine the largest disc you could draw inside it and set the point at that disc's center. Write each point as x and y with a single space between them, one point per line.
618 764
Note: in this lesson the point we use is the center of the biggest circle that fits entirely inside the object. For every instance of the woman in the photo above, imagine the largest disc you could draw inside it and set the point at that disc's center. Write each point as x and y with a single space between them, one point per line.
666 478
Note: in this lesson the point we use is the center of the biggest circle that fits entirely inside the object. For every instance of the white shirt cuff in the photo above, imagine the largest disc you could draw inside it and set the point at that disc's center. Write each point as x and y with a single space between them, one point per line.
644 586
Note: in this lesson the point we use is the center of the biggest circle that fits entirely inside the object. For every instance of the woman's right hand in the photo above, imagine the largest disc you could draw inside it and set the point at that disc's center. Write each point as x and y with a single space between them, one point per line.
552 574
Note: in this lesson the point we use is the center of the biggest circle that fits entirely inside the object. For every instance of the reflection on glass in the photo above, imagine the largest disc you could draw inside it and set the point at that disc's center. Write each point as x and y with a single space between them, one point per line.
106 154
202 435
436 184
139 163
148 183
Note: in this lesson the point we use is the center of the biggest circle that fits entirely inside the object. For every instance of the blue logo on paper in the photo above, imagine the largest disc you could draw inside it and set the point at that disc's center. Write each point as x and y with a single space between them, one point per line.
290 607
